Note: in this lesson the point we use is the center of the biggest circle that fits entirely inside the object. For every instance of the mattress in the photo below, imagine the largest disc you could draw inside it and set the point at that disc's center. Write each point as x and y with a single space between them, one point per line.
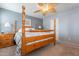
31 34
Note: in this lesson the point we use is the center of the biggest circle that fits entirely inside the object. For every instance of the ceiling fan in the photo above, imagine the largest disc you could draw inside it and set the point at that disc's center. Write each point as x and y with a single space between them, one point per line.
45 8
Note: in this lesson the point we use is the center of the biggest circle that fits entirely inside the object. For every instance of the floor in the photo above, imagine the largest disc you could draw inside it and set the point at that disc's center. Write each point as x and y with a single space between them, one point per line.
60 49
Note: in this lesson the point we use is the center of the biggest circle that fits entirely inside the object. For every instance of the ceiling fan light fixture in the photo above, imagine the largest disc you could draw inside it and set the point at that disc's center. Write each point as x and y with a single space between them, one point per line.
46 8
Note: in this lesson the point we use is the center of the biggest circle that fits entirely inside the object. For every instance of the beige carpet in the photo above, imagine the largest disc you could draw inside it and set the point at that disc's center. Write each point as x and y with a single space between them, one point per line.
60 49
9 51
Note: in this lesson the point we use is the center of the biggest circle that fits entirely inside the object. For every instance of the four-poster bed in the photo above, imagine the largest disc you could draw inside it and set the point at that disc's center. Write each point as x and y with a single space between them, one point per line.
31 40
28 40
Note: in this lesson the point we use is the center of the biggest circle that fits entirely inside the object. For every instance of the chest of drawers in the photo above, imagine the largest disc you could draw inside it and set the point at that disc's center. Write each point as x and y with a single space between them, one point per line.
6 40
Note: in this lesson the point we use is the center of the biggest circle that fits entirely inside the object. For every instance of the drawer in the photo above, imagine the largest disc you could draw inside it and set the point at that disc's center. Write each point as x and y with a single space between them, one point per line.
1 44
5 43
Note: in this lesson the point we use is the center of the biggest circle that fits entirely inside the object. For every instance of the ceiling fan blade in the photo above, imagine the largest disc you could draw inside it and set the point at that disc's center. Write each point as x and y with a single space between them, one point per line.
53 11
37 11
51 6
41 4
45 8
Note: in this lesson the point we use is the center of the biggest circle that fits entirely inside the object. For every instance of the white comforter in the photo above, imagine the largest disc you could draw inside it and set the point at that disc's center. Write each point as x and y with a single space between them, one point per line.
30 34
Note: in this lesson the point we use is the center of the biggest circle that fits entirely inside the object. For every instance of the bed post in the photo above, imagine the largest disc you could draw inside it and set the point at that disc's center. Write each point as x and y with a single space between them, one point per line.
23 28
14 26
23 20
54 31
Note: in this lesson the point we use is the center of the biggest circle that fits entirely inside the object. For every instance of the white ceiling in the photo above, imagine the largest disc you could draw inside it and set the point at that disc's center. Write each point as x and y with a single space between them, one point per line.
31 7
62 7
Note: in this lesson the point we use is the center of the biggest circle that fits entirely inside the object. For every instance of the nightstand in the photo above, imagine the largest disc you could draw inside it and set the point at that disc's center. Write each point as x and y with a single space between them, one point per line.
6 40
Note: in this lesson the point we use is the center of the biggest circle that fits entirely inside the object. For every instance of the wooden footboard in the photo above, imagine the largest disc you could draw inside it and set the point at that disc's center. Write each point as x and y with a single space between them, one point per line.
40 41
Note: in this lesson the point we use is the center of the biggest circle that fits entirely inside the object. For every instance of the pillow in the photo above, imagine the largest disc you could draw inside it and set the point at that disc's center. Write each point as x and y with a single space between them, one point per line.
20 30
27 29
30 29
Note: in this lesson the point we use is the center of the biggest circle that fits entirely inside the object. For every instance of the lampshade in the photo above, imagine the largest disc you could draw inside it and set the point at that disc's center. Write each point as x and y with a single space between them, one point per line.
7 24
39 26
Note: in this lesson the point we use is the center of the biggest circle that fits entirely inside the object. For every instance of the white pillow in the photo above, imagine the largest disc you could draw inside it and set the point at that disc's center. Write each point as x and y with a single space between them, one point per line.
29 29
20 30
32 28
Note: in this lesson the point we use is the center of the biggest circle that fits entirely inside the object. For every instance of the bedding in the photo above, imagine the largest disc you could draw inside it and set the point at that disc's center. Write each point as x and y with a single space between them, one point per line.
30 29
18 37
31 34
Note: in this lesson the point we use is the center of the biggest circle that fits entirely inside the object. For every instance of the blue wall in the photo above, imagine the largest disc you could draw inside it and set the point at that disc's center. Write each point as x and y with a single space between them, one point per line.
68 26
0 20
10 16
69 21
46 20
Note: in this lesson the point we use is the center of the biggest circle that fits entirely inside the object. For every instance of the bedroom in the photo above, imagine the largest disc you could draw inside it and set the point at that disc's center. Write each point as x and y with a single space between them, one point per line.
66 26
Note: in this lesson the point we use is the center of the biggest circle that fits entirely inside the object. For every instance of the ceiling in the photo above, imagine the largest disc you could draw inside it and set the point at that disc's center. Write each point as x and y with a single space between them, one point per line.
31 7
62 7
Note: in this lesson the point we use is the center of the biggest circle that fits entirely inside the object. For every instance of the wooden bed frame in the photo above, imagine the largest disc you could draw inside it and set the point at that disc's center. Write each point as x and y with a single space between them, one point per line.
7 40
25 49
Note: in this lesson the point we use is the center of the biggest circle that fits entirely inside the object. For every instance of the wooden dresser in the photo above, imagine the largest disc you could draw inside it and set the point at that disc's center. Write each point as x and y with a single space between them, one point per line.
6 40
